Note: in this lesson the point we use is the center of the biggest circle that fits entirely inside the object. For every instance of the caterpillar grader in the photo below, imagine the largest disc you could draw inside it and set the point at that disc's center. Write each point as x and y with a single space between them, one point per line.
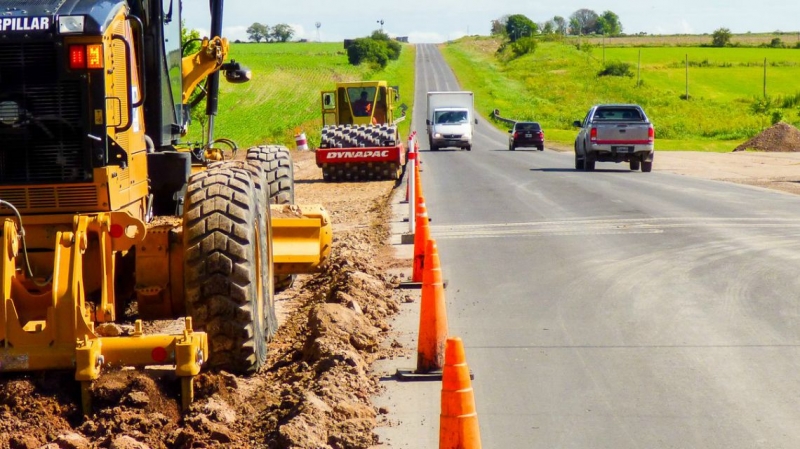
103 208
360 140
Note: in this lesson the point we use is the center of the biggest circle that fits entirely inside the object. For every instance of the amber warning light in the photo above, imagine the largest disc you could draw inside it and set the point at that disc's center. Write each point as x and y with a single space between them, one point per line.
86 56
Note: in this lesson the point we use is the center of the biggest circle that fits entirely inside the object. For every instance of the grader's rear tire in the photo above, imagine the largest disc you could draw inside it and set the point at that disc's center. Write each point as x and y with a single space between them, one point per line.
223 264
276 161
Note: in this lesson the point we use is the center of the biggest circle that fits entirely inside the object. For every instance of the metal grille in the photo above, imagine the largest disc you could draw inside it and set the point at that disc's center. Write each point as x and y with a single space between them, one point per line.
45 199
44 143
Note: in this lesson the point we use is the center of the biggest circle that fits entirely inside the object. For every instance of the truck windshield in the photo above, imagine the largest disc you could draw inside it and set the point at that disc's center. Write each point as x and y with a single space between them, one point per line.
451 117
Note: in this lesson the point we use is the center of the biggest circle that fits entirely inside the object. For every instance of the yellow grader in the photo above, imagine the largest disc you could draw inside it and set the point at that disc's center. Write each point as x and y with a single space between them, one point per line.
103 208
359 140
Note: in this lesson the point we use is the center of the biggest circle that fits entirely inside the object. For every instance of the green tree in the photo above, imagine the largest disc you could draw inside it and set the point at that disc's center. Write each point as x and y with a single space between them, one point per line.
721 37
190 40
519 26
258 32
393 47
499 26
608 23
548 27
366 49
561 25
282 32
583 21
776 42
574 26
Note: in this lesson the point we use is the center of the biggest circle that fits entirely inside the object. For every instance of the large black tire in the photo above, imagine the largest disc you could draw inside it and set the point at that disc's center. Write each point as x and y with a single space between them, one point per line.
511 147
261 187
223 267
578 162
276 161
588 163
635 163
647 166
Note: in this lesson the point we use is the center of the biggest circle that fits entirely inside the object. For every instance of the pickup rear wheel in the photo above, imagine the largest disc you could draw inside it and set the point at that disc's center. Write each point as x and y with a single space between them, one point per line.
578 162
588 164
647 166
511 147
634 163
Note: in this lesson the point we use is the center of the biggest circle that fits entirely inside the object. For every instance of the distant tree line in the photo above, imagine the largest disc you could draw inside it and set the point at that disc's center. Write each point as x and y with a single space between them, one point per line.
376 49
259 32
582 21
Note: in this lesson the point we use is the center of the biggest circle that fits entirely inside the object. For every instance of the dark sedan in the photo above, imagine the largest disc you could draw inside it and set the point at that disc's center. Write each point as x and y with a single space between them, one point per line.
526 134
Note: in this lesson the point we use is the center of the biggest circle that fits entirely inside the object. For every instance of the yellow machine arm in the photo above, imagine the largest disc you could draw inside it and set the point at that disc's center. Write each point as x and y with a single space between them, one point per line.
196 67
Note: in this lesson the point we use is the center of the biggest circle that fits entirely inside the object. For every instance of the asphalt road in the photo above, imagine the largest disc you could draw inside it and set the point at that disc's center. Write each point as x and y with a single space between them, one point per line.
608 309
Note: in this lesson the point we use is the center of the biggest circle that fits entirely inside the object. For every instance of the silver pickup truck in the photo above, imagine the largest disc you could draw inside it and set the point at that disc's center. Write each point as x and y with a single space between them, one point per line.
615 133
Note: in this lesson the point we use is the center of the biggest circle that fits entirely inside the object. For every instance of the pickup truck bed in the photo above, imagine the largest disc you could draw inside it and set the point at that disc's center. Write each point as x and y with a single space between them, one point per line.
615 133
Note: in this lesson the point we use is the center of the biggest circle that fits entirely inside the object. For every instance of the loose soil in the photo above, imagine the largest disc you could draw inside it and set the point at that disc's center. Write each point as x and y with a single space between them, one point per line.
315 389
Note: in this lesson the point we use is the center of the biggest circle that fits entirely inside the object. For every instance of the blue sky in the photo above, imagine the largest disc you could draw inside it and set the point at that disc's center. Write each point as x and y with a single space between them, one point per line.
435 21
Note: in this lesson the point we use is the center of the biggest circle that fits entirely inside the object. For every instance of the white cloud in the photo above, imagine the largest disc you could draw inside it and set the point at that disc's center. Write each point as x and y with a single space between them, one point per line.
300 33
235 33
425 37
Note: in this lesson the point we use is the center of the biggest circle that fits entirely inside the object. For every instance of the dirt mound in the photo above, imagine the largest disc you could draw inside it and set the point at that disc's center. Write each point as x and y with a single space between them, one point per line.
781 137
314 391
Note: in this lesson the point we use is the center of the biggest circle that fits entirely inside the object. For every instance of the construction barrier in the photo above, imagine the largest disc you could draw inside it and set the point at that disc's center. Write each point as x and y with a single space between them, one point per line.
432 316
300 140
411 184
458 422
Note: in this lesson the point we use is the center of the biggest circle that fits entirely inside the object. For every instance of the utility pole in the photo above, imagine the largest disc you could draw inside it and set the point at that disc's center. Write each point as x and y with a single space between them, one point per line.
687 76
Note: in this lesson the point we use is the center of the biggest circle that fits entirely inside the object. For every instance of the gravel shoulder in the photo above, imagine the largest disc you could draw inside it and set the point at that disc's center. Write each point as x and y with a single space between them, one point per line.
768 169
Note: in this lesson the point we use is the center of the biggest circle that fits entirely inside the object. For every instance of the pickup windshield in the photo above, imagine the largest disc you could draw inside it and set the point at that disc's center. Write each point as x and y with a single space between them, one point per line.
618 114
451 117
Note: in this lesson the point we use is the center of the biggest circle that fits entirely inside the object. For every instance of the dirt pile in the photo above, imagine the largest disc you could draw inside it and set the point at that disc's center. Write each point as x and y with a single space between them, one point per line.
314 391
781 137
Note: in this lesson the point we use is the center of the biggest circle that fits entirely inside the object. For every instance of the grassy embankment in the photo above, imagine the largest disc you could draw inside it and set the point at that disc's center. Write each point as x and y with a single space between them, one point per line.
558 83
284 94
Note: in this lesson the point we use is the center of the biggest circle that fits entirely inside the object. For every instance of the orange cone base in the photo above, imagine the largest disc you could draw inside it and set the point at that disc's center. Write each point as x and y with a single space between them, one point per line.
413 375
459 432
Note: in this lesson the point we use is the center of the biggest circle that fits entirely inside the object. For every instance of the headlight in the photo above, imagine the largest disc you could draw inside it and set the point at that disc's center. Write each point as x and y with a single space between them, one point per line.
9 112
437 135
70 24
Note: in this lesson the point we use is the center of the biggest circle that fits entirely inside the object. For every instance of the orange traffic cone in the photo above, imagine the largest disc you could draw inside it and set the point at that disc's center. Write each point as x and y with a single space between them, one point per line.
422 233
458 422
432 316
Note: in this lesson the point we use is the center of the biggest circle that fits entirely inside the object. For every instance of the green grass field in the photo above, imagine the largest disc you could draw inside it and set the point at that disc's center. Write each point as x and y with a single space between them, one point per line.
284 94
558 83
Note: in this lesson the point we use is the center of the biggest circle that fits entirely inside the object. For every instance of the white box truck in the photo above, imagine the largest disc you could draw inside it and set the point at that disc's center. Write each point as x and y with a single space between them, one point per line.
451 119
